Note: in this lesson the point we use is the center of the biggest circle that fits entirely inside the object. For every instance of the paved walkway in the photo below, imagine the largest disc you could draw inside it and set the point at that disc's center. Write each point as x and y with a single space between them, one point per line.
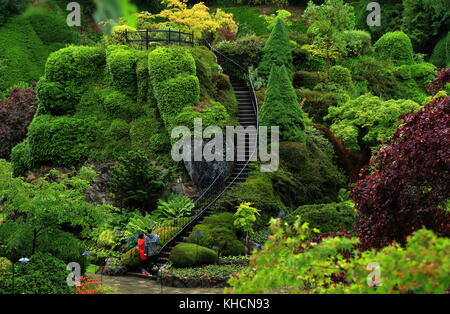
135 285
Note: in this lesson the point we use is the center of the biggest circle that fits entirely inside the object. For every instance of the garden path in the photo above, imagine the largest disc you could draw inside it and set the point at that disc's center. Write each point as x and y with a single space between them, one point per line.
136 285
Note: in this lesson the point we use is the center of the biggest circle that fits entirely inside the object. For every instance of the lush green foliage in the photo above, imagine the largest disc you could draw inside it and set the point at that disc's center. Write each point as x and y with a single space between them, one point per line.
208 272
245 218
395 46
121 67
289 263
326 22
441 52
331 217
277 51
131 258
44 274
368 120
281 106
174 206
189 254
341 78
218 231
136 181
408 184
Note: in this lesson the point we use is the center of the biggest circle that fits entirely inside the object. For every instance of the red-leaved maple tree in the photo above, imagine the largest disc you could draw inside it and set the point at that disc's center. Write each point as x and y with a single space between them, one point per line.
16 113
409 182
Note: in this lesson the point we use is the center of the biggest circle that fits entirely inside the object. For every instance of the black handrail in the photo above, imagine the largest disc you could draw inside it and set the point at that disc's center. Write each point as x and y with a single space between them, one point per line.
169 39
222 191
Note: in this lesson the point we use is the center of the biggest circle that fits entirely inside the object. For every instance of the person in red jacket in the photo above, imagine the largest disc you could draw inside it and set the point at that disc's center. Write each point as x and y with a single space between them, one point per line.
144 258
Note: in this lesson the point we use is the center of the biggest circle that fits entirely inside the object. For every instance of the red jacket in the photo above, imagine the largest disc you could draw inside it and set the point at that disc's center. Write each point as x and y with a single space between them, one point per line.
141 244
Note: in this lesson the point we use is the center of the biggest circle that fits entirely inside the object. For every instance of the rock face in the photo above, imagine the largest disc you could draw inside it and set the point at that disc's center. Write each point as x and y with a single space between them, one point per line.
203 173
112 270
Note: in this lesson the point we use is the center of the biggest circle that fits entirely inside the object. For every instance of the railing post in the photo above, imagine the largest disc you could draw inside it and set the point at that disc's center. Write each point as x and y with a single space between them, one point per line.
179 38
192 39
146 39
169 35
126 35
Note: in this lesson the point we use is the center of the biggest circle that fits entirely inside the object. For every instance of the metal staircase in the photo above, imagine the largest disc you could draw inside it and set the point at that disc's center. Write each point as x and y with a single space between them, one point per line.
245 153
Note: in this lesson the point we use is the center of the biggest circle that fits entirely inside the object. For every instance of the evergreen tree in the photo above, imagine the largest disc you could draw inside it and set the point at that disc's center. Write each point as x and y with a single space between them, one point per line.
277 50
281 107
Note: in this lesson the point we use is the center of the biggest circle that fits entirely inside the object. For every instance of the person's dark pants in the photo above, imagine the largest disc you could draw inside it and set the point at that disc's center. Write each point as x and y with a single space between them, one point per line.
148 264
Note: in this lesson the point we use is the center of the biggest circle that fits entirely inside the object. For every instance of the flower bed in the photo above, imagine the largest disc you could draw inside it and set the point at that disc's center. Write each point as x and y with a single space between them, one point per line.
210 276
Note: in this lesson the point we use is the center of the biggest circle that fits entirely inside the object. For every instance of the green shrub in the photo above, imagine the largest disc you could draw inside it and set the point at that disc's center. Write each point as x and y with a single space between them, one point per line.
175 94
341 77
106 238
74 64
304 60
136 181
307 79
441 52
5 268
51 26
281 106
168 62
332 217
218 231
188 255
118 105
368 119
206 67
395 46
9 8
174 206
144 87
44 274
55 98
121 66
357 43
60 141
21 158
316 103
131 259
246 50
277 51
22 52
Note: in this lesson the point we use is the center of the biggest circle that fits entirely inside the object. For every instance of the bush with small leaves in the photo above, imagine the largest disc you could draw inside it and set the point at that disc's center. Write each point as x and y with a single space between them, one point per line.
395 46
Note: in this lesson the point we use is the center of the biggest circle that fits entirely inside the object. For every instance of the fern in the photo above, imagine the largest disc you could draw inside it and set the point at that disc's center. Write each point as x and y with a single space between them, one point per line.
175 206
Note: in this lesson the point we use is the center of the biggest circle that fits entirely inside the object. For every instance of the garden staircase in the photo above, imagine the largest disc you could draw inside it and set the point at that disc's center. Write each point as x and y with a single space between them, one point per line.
244 153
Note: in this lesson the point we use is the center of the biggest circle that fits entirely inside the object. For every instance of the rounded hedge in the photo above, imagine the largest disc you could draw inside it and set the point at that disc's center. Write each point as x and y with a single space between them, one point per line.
357 43
332 217
55 98
395 46
21 158
441 52
121 66
168 62
341 77
60 141
189 254
74 64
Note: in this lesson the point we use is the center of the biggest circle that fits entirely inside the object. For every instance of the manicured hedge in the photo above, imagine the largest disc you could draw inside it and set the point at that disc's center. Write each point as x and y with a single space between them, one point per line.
56 98
395 46
121 67
341 77
74 64
60 141
441 52
189 254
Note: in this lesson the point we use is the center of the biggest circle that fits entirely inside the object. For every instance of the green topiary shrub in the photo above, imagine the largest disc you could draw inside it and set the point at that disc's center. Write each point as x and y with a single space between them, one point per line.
341 77
175 94
189 255
277 51
55 98
60 141
131 259
332 217
356 42
218 231
168 62
121 67
206 68
118 105
395 46
144 87
5 268
441 52
281 107
21 158
74 64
